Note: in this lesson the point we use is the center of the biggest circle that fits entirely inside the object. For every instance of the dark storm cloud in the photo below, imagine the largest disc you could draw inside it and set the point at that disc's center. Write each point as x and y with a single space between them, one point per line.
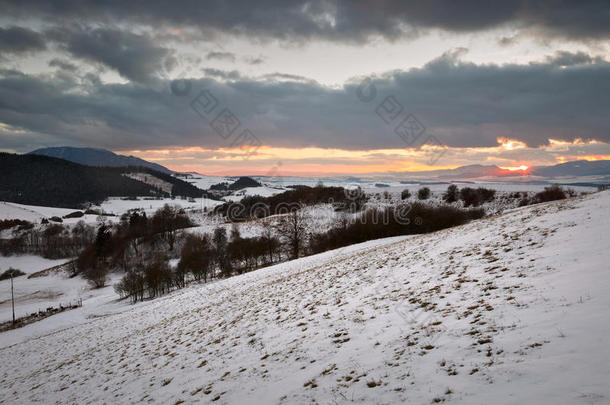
134 56
63 65
563 58
17 40
463 104
341 20
222 74
225 56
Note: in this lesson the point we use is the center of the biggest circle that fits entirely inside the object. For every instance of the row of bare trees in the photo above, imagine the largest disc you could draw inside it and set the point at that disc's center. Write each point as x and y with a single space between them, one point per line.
142 247
133 244
207 256
52 241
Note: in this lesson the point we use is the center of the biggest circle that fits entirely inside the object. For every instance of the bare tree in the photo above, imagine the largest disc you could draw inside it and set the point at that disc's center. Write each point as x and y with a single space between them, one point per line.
270 242
292 228
196 256
221 251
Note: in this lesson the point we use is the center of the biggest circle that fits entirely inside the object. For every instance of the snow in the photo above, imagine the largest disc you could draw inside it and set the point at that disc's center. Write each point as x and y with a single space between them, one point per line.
28 263
263 191
38 293
119 206
113 205
512 308
34 213
205 182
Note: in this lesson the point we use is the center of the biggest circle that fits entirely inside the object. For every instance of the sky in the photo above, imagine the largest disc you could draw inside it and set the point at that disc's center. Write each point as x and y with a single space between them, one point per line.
309 88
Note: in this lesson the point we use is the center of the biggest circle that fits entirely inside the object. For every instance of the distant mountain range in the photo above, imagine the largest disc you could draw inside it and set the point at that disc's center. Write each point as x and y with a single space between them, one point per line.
97 157
577 168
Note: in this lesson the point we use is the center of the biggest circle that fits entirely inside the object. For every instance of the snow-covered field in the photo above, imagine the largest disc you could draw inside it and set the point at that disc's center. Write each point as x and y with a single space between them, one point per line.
513 308
119 206
113 205
38 293
34 213
263 191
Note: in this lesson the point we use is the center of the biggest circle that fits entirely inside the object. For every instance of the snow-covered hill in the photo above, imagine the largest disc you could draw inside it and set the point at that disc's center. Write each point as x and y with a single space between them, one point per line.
509 309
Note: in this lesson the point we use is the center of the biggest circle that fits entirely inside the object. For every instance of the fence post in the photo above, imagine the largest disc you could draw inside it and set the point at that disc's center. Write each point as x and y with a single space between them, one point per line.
12 297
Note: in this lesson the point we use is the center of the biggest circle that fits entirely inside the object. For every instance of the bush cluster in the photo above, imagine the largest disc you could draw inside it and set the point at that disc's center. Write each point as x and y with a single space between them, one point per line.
51 240
380 223
120 247
260 207
550 193
423 193
475 197
11 272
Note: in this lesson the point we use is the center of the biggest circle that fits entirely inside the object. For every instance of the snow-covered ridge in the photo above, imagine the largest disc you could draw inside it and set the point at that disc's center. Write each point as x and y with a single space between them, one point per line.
509 309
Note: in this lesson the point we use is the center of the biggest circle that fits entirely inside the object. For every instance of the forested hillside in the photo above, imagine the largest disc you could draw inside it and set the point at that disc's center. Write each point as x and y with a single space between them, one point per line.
42 180
98 157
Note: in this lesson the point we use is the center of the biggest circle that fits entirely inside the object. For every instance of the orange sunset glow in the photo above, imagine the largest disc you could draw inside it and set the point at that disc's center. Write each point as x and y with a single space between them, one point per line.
315 161
522 168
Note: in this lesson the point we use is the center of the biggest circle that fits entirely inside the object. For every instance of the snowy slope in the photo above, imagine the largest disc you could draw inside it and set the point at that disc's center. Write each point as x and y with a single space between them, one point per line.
34 213
263 191
508 309
119 206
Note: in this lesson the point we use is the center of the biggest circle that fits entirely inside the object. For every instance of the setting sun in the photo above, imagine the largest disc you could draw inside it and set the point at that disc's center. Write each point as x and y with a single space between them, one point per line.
522 168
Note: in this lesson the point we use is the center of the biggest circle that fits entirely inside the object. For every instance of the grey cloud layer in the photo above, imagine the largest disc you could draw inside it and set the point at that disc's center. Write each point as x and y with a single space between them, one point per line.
16 40
136 57
342 20
462 104
226 56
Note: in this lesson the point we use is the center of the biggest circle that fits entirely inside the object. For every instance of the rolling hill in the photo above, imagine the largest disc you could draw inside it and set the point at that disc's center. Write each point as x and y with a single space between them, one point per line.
98 157
42 180
509 309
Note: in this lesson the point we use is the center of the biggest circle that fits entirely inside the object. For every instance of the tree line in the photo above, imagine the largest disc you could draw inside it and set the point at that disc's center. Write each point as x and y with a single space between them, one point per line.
289 236
131 242
50 240
256 206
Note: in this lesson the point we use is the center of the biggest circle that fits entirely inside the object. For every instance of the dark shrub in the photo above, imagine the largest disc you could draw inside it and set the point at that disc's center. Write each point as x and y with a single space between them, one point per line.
551 193
517 194
476 197
405 194
221 256
132 285
404 220
452 194
197 256
56 219
158 276
11 271
9 223
25 227
486 194
97 275
75 214
423 193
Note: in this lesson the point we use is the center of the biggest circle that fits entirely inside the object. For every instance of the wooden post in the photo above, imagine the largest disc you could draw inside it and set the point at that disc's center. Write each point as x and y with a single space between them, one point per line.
12 297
